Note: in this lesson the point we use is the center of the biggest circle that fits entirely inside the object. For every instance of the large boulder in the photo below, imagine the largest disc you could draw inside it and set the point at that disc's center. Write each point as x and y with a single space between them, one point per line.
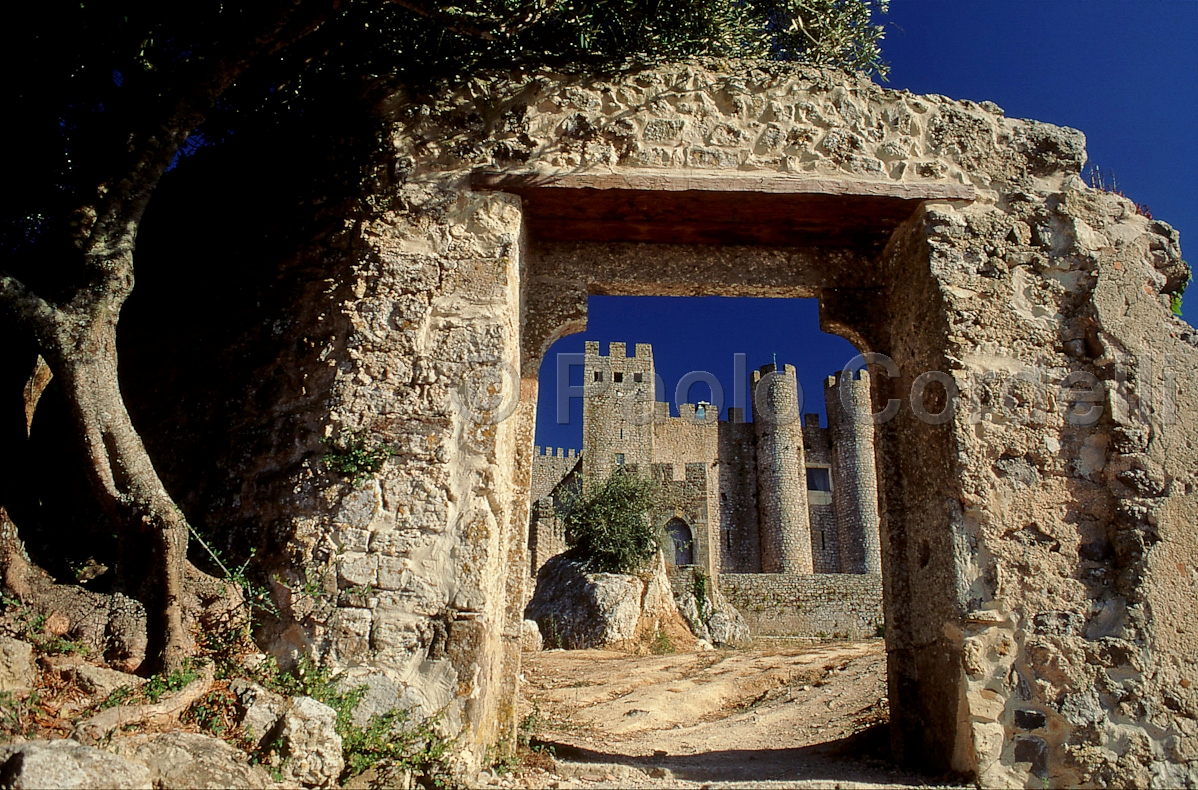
576 609
192 760
69 765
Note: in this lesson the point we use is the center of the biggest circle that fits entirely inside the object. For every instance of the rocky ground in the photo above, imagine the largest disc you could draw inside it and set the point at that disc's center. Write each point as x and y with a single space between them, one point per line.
778 714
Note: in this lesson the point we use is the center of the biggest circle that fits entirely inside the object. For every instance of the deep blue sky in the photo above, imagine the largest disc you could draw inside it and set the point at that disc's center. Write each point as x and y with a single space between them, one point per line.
1124 72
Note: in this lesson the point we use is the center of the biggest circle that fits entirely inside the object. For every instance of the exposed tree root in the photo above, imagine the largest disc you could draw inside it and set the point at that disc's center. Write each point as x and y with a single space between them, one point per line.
158 714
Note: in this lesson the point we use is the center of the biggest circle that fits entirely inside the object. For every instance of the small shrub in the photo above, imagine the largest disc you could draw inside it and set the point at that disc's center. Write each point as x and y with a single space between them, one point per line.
18 715
880 630
215 713
661 644
159 685
356 456
609 525
388 740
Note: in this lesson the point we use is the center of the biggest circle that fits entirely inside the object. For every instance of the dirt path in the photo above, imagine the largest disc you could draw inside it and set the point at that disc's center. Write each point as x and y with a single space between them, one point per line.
776 715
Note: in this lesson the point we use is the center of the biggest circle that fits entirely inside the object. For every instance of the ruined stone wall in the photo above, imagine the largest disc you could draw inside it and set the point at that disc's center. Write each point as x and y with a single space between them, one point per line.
1055 525
551 469
784 522
1039 575
838 605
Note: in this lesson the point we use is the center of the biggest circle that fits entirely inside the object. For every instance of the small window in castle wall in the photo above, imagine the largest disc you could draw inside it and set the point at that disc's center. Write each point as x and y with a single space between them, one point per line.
598 375
619 459
638 377
818 479
617 377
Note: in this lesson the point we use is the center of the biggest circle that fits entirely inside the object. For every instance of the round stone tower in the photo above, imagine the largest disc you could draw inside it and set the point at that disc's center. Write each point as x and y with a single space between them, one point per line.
784 522
854 474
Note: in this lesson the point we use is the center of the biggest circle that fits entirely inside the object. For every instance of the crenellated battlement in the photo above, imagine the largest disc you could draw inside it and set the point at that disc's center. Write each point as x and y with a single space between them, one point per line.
689 413
859 378
788 371
556 452
618 350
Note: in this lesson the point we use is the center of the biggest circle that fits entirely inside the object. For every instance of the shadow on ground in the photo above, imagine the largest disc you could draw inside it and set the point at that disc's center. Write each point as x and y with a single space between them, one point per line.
863 756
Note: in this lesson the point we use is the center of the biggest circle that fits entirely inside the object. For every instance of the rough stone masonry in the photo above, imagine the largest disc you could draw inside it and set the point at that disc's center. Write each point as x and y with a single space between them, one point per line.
1036 453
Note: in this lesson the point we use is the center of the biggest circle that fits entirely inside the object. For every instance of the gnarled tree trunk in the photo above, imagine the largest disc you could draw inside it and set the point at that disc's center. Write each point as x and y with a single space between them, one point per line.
125 481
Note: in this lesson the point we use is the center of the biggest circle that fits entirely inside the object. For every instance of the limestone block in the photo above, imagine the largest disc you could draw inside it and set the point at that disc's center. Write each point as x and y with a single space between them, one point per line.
355 569
352 539
397 632
383 694
184 760
360 506
310 744
259 710
71 766
349 632
17 670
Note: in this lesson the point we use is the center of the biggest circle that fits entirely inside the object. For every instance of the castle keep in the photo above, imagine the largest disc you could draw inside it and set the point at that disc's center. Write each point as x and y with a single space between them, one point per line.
778 495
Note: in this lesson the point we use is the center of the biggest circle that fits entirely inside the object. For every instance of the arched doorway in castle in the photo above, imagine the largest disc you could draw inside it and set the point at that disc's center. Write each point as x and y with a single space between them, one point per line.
682 544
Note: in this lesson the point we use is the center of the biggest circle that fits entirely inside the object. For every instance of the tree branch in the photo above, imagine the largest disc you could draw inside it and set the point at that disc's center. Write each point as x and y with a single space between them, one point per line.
108 252
30 310
527 16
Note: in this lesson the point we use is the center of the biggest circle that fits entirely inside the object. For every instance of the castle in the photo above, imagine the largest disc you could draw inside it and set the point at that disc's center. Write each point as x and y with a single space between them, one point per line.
777 495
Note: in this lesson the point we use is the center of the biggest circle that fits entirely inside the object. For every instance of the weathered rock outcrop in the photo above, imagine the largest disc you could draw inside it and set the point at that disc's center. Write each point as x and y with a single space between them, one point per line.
300 731
69 765
530 637
575 608
711 617
163 761
193 761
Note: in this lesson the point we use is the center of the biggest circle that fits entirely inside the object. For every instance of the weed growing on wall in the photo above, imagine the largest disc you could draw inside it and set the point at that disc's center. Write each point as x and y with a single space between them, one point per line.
356 456
608 524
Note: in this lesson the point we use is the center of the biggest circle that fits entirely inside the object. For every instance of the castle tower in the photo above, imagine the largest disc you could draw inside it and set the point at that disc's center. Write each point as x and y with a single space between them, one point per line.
784 521
854 474
618 410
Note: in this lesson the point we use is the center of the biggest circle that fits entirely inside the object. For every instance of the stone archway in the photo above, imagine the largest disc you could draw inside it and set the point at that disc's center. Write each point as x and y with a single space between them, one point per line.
1030 561
683 542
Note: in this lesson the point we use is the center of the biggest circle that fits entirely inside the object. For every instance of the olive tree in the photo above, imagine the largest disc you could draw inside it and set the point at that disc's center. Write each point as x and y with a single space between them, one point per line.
105 99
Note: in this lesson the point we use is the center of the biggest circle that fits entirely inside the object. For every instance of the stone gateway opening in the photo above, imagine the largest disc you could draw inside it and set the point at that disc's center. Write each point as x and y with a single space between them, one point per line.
1034 443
